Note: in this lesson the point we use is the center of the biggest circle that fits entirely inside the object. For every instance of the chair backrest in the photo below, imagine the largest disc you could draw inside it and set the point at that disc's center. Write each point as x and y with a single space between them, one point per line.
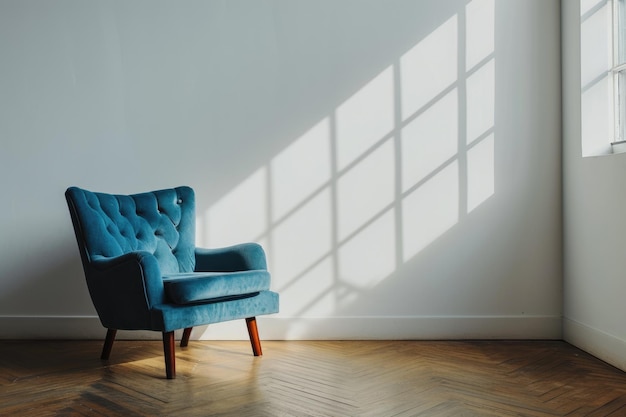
160 222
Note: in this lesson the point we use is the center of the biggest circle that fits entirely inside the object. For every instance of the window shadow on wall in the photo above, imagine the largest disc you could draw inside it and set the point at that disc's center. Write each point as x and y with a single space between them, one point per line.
380 177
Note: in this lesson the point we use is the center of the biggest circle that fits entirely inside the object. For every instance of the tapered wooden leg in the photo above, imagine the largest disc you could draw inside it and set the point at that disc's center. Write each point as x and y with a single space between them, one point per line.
253 332
184 341
108 344
169 351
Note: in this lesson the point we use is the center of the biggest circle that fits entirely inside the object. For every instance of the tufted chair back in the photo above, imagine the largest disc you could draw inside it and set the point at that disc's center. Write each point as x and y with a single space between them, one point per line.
159 222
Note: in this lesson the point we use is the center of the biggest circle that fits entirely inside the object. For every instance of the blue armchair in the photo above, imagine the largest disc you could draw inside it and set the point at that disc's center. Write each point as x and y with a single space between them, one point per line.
144 272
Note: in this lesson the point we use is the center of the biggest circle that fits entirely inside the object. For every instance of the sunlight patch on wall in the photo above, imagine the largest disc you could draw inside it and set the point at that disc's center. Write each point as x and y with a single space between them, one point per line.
303 239
429 67
310 294
310 156
480 136
480 101
365 190
364 118
480 173
239 216
430 210
430 140
371 185
479 31
368 257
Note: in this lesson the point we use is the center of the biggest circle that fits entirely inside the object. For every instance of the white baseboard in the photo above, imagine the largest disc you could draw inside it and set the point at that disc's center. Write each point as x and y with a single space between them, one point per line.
602 345
279 328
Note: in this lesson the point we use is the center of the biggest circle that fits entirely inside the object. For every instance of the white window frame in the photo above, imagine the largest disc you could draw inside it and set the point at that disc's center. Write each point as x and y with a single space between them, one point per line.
618 73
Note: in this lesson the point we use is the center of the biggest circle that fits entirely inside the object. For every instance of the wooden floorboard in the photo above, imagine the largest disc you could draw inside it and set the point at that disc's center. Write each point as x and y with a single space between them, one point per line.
309 378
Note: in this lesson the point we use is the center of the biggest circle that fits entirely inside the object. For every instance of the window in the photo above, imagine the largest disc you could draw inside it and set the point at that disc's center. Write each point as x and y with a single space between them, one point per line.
618 69
603 76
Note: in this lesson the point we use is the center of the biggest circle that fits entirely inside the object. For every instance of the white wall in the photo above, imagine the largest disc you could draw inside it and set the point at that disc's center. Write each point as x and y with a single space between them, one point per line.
595 227
400 161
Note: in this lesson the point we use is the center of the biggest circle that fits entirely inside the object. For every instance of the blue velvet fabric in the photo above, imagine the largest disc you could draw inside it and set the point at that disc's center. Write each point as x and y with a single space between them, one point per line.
193 287
128 243
170 317
159 222
241 257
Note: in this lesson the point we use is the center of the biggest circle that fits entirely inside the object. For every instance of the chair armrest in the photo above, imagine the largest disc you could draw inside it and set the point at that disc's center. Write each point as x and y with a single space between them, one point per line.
242 257
125 288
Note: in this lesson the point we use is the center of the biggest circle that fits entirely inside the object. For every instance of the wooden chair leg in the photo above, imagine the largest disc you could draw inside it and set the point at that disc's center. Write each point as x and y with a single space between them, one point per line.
184 341
253 332
169 351
108 344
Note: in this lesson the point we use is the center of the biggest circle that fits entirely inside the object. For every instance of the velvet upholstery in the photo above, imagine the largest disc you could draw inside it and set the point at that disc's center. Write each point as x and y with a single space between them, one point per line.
144 272
193 287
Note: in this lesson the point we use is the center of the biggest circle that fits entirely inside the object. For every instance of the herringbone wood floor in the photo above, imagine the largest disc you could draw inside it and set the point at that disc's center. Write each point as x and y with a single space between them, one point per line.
321 378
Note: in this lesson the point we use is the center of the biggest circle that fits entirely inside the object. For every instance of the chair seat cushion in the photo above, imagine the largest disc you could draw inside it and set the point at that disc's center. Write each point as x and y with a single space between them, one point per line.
195 287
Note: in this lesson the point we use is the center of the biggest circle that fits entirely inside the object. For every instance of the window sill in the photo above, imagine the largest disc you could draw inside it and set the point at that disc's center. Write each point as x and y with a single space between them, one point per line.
619 147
